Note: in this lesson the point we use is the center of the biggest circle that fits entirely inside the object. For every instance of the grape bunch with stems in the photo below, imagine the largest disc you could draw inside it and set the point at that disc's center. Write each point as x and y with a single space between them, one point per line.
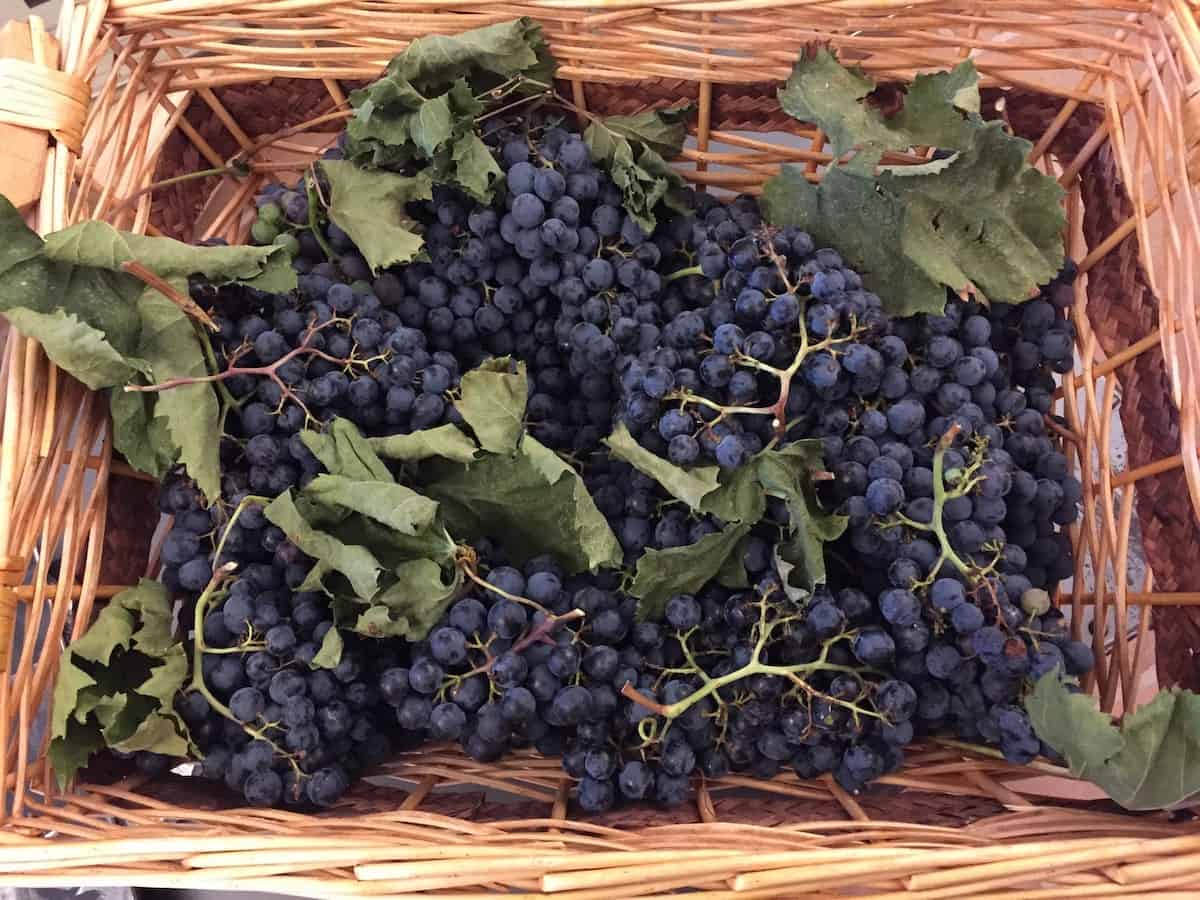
714 338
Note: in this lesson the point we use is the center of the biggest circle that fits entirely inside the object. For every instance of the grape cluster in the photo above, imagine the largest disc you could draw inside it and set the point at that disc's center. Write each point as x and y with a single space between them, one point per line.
268 724
712 340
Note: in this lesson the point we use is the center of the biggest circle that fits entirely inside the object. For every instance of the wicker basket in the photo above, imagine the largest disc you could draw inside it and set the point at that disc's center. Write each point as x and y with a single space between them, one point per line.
137 92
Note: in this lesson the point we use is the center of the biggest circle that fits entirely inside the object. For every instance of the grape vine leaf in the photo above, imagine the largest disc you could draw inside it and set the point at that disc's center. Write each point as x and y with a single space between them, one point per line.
1151 761
934 113
492 403
116 684
95 244
370 205
343 450
634 151
423 110
388 503
77 347
787 474
534 499
413 604
689 485
142 439
911 236
330 653
661 574
443 442
169 344
359 566
70 293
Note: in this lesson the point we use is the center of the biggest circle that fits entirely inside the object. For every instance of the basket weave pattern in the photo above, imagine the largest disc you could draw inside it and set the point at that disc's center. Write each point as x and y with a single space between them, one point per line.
1108 92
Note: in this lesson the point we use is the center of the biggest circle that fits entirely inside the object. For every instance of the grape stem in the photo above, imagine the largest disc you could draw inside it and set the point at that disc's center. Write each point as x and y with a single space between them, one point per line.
199 647
467 561
941 494
189 306
313 226
754 667
778 409
684 273
539 632
270 371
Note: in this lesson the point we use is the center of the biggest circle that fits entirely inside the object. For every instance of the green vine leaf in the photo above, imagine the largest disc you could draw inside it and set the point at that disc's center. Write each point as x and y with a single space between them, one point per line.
117 683
444 442
934 113
661 574
492 403
634 151
534 499
1151 761
370 205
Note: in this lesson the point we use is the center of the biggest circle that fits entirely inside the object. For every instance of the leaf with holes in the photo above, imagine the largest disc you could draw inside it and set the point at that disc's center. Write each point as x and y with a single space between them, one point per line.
936 109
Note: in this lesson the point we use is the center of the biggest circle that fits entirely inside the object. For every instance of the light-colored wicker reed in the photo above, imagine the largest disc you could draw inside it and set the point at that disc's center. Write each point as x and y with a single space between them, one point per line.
1109 92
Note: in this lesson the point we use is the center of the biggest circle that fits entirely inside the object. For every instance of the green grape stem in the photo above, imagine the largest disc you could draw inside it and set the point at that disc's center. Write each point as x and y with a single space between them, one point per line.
754 667
683 273
778 409
310 188
199 647
966 483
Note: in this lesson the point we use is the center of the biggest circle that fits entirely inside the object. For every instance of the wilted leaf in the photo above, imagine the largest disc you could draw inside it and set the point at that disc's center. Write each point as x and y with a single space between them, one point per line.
1152 761
97 244
392 504
418 598
370 206
357 564
632 150
661 574
493 404
689 485
911 236
330 653
76 347
824 93
169 344
423 110
343 450
535 500
444 442
143 440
